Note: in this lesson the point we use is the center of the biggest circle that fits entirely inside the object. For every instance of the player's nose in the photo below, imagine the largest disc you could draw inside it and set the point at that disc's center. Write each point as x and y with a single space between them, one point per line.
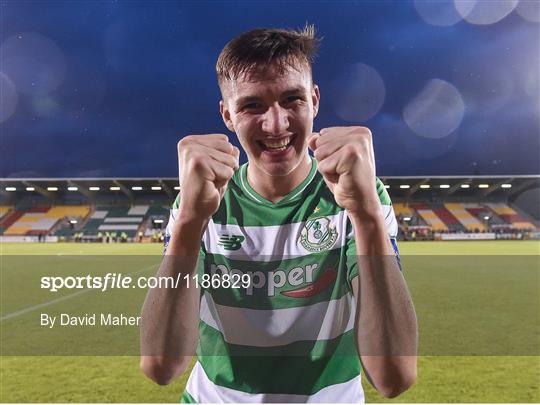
275 120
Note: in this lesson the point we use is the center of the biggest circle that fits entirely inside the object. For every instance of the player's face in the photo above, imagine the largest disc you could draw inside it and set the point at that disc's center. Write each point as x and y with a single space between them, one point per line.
272 115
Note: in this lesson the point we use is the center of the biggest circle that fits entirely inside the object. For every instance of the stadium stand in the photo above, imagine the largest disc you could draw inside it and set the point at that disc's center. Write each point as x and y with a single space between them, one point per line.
449 208
430 217
158 211
510 216
466 219
8 218
41 220
451 222
403 210
116 219
4 210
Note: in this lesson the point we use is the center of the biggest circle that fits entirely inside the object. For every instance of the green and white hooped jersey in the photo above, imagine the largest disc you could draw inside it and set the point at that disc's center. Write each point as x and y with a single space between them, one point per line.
289 336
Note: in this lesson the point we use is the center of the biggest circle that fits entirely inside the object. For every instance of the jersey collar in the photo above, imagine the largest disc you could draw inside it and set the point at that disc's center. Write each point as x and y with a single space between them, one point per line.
293 195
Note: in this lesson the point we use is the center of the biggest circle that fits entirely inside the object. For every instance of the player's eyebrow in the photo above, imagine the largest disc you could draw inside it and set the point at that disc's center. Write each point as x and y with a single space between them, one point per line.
246 100
295 90
250 99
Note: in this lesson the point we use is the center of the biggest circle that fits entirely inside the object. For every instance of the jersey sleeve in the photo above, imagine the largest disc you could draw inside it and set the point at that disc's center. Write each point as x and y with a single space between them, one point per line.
391 228
173 214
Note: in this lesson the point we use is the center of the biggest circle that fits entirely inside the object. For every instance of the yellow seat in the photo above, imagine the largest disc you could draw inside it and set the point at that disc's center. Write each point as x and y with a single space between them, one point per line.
402 209
4 209
17 230
432 220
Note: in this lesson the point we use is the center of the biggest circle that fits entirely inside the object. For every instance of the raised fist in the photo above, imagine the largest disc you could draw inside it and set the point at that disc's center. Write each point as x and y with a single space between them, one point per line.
346 160
206 164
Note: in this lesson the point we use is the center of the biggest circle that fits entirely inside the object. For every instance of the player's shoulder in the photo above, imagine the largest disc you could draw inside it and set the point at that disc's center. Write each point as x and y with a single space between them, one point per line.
384 197
176 202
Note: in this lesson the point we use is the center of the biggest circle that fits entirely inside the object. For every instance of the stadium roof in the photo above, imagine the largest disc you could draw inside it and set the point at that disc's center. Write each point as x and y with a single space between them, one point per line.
399 186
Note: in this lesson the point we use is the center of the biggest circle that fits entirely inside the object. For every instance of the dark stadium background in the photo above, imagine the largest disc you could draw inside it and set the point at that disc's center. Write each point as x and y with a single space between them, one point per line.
107 88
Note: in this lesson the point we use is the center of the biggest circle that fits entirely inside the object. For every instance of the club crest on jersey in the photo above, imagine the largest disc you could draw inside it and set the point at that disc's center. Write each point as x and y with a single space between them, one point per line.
231 242
318 234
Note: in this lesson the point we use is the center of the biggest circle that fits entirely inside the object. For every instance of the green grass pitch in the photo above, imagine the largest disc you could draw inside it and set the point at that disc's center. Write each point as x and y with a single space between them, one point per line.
457 288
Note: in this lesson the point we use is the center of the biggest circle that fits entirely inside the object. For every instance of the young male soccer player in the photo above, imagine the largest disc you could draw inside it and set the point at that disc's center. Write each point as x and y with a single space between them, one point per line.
314 238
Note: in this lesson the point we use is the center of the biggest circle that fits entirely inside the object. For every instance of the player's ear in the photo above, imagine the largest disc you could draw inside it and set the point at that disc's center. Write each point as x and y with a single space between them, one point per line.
226 115
316 97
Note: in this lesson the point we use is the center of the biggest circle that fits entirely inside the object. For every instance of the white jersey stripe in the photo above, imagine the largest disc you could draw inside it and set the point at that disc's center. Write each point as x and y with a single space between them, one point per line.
203 390
266 328
285 243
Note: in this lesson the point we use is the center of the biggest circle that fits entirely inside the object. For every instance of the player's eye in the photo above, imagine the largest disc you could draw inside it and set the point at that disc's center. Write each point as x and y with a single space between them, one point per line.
292 99
251 106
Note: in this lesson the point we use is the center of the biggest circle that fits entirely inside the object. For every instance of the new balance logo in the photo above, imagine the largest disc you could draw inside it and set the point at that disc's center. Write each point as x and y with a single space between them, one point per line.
231 242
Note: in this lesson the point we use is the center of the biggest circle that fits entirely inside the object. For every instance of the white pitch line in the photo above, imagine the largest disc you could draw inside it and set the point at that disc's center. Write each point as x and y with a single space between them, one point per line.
65 297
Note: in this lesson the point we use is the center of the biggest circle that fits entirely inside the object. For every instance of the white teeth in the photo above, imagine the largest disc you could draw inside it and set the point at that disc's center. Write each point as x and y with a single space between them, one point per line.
279 149
277 145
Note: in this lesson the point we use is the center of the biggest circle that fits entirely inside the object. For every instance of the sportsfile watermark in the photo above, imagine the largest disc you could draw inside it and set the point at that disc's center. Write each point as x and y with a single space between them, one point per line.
300 279
91 305
121 281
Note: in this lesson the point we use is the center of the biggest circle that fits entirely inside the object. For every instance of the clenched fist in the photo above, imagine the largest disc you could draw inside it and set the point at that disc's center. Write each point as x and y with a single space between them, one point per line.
346 160
206 164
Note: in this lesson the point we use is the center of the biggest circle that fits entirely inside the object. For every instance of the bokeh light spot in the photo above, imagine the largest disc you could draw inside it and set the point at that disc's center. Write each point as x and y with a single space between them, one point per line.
529 10
360 93
33 62
436 111
484 12
45 106
441 12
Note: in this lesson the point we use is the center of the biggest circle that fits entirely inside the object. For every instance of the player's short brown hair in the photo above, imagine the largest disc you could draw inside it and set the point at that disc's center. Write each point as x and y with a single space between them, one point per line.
257 49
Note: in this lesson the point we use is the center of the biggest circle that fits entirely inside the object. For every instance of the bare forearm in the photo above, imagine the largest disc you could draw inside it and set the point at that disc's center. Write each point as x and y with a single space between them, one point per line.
386 326
169 319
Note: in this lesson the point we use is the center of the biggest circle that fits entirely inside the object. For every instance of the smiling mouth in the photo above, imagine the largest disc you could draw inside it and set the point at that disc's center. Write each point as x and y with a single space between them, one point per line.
278 145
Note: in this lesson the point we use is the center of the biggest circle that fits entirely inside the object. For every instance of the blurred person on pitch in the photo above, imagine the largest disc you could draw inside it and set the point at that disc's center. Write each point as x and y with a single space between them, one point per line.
316 235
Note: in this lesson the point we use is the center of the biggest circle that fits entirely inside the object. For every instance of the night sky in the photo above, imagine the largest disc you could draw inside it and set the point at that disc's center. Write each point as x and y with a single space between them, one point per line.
107 88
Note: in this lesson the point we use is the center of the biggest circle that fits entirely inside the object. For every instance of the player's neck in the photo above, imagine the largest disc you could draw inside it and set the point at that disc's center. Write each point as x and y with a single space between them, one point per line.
275 188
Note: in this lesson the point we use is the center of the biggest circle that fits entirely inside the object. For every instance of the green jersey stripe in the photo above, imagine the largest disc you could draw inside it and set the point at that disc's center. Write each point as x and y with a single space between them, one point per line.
238 207
319 201
384 198
187 399
204 390
240 180
244 183
243 180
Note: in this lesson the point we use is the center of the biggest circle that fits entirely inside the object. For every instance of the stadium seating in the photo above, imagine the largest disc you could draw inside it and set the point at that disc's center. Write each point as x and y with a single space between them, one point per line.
4 209
431 218
158 210
7 217
149 217
462 213
402 209
116 219
41 220
510 216
451 222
